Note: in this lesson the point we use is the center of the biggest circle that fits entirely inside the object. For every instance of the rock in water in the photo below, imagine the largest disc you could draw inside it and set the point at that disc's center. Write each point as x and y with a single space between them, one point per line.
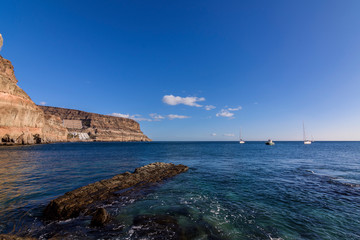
82 200
100 217
158 226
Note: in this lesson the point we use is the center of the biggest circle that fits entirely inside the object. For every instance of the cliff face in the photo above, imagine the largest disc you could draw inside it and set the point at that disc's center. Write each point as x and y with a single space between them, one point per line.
98 127
21 121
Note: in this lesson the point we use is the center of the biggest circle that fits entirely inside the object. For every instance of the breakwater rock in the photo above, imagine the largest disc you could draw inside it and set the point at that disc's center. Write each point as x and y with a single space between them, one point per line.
21 121
83 200
97 126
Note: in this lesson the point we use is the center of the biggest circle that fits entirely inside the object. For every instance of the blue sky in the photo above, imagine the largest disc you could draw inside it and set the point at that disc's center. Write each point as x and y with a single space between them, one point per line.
263 66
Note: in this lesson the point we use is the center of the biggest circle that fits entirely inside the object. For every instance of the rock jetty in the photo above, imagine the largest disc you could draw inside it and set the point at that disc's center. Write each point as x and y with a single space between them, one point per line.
84 200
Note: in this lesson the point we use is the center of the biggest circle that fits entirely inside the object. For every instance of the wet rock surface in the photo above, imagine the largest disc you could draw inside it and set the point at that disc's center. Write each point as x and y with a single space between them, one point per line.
84 200
100 217
14 237
156 227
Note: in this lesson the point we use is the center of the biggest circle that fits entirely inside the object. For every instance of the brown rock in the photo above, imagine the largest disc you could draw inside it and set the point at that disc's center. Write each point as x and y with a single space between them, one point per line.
80 200
14 237
100 217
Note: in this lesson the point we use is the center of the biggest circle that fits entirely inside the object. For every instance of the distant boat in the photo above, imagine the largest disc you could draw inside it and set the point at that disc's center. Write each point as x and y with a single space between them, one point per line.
241 141
269 142
304 135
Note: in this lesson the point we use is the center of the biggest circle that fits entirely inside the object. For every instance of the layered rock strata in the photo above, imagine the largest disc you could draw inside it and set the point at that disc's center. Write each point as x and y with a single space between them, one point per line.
81 200
21 120
98 127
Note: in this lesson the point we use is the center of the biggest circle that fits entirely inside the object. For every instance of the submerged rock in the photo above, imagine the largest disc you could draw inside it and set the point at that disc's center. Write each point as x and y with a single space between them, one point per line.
156 227
83 200
100 217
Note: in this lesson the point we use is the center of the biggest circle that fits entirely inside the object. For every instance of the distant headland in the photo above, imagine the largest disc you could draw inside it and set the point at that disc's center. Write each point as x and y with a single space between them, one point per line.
23 122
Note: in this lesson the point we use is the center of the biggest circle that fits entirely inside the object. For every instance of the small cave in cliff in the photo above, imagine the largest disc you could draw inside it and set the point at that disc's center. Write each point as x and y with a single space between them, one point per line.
37 138
6 139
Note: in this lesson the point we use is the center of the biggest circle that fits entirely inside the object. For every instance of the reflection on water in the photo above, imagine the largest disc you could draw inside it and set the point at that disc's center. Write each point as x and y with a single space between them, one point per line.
232 191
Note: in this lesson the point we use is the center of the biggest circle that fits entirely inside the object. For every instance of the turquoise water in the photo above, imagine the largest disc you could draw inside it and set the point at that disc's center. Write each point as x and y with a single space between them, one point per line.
232 191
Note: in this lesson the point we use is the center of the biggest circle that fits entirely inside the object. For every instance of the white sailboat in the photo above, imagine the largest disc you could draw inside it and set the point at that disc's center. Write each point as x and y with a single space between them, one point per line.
241 141
304 136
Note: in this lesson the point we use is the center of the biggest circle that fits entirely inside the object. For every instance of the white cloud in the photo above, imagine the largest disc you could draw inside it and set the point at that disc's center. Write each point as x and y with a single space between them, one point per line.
213 134
235 109
189 101
120 115
225 113
138 117
175 116
229 135
42 103
209 107
156 117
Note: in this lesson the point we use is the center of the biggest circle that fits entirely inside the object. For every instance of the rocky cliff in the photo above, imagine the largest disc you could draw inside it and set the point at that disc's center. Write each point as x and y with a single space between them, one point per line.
98 127
21 121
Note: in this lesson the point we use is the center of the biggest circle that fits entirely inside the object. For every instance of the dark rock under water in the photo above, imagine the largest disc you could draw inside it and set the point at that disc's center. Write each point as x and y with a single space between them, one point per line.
82 200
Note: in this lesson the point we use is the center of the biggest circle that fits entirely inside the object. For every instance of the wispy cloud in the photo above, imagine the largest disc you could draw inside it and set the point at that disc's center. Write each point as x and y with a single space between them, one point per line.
175 116
213 134
156 117
136 117
209 107
228 112
225 113
42 103
235 109
189 101
153 117
120 115
229 135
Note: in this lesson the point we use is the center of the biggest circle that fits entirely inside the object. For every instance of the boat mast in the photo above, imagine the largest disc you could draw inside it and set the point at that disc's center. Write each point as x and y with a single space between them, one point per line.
304 135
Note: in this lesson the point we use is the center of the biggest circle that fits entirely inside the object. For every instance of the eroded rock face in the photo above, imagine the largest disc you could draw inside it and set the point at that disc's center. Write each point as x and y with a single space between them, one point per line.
21 121
99 127
81 200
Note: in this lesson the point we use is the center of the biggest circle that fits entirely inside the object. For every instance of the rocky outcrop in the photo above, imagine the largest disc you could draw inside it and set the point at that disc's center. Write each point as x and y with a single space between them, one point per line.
98 127
14 237
82 200
21 121
100 217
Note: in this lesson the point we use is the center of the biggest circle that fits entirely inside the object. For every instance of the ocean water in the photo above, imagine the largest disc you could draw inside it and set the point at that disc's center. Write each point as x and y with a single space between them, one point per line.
231 191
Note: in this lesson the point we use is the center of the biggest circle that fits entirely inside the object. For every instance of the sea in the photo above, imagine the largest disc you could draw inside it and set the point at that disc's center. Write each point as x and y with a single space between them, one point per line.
231 190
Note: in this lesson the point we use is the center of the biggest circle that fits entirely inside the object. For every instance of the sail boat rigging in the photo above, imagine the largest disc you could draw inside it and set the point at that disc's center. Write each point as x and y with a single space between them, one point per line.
241 141
304 135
